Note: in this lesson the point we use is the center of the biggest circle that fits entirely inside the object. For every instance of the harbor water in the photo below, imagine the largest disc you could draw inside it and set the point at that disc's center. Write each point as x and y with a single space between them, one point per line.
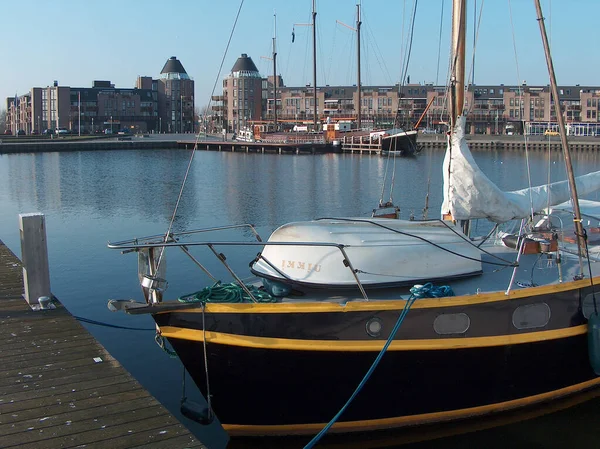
92 197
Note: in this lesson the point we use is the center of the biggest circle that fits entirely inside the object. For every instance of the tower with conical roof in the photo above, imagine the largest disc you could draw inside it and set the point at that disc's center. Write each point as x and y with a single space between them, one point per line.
243 93
175 98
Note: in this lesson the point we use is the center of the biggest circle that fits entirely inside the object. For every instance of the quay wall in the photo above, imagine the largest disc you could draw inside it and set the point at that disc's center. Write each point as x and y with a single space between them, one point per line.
511 143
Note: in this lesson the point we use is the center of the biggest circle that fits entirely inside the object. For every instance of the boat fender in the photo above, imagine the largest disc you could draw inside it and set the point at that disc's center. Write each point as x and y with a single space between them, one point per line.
276 289
594 341
196 412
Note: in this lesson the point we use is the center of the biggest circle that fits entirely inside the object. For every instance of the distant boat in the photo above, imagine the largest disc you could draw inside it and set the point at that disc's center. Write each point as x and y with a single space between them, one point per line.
398 141
245 134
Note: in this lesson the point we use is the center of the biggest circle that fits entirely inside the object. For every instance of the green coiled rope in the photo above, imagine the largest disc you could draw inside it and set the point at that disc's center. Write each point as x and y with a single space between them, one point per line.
227 293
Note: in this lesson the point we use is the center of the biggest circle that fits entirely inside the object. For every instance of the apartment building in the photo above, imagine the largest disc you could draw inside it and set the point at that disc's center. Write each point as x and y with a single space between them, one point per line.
152 105
175 98
491 109
242 99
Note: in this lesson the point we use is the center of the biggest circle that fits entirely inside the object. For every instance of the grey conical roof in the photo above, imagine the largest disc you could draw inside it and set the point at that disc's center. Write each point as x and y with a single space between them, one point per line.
173 65
244 64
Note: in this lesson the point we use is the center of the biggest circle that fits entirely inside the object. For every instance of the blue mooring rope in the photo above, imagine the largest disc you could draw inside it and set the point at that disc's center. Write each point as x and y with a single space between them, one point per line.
427 290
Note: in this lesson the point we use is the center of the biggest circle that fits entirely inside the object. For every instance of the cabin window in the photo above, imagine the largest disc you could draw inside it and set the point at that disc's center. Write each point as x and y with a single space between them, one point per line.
374 327
587 307
451 323
531 316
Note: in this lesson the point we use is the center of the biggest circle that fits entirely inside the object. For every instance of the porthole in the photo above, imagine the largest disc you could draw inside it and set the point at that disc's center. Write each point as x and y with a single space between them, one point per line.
531 316
451 323
588 305
374 327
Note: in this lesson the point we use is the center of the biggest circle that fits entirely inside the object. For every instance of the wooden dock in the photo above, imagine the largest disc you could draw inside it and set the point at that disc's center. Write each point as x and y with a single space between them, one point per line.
361 145
60 388
290 147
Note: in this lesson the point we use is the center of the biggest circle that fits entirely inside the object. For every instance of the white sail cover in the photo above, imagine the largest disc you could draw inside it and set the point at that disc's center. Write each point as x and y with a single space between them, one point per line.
469 193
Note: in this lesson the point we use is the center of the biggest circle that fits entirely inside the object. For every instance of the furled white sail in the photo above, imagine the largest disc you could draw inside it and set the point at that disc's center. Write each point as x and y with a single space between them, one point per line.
469 193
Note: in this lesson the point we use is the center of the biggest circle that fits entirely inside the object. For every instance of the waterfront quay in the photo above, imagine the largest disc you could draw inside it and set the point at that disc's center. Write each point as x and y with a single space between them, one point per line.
60 388
213 143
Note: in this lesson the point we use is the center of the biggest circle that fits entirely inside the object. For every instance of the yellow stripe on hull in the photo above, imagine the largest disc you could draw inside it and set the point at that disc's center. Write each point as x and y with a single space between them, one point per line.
405 421
359 305
369 345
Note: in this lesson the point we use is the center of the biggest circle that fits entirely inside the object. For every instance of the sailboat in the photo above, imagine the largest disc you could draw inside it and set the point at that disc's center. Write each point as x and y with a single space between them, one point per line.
357 325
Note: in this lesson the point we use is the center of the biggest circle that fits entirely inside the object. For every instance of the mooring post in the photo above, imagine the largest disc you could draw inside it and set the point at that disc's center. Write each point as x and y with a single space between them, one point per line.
34 255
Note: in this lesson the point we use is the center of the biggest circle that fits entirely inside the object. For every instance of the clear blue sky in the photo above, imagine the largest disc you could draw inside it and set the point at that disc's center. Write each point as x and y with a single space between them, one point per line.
78 41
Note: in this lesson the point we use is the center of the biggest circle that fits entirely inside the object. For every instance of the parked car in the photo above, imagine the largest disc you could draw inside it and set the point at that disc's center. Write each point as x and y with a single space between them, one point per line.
34 132
20 132
8 132
48 131
62 131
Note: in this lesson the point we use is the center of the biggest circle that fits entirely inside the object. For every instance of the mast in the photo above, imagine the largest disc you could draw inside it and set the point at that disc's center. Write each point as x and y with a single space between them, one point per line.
457 90
275 73
358 23
314 29
563 135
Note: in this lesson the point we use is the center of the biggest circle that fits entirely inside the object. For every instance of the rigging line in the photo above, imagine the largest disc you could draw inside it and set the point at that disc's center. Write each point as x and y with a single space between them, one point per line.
321 55
437 73
521 110
187 171
393 172
335 30
549 113
405 64
401 41
378 55
385 174
410 40
475 40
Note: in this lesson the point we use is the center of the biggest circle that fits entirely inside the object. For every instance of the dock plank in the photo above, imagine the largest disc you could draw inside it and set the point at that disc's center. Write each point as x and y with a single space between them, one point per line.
53 394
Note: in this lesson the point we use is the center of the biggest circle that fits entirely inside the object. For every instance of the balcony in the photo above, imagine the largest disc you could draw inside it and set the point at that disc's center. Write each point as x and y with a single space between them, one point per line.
218 98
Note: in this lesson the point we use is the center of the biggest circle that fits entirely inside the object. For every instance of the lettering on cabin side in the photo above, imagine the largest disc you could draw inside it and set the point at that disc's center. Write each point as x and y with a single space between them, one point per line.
300 265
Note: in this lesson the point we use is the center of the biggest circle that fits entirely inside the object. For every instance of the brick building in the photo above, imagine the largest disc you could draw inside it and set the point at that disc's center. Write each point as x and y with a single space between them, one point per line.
153 105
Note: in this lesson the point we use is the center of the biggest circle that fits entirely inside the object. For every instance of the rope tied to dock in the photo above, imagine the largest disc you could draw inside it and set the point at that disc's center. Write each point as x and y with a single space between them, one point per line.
227 293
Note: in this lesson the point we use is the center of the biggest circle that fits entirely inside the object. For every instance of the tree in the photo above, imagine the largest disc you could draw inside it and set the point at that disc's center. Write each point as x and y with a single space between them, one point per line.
202 116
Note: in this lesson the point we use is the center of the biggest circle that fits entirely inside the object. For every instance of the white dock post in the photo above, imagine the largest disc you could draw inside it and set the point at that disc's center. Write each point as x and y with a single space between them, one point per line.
34 255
